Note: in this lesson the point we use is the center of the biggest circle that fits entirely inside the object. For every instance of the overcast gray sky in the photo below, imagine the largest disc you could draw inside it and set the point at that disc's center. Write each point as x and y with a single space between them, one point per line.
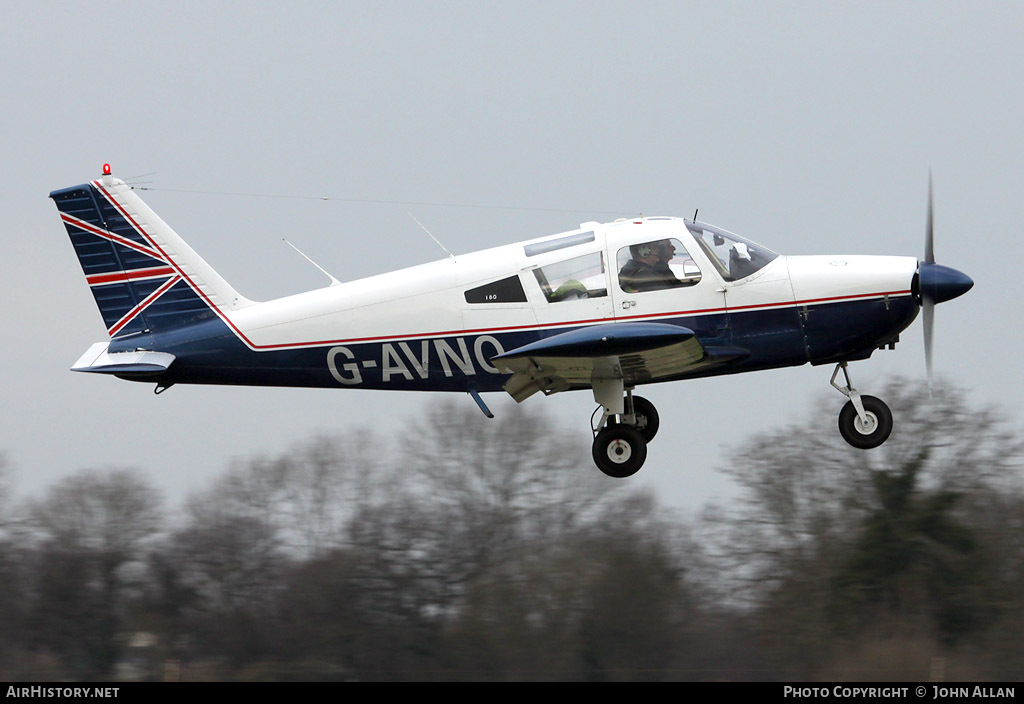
807 126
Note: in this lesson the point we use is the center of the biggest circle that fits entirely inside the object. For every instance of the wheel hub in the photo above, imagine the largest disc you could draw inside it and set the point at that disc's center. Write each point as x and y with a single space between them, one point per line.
868 425
619 451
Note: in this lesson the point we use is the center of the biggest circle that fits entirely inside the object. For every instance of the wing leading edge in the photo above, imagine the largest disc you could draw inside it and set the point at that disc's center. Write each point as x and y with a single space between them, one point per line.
634 352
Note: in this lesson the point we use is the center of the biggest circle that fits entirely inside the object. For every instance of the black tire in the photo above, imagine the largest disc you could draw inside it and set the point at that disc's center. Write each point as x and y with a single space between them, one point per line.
646 416
878 428
619 451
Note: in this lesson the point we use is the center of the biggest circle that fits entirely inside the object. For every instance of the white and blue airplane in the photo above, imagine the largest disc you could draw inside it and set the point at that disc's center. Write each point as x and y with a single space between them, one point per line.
606 307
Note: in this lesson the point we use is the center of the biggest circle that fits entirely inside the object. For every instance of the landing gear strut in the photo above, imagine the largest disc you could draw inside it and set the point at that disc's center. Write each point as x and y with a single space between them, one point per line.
626 425
865 421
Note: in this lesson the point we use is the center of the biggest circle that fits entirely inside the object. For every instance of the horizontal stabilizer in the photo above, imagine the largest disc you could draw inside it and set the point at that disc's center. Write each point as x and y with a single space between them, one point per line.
139 363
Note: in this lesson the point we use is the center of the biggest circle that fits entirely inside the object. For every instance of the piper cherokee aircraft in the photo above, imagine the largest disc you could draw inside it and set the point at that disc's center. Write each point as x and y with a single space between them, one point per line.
606 307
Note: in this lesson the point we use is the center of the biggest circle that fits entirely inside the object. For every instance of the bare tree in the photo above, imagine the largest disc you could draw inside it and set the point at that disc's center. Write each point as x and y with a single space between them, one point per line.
495 483
223 570
13 579
90 533
307 494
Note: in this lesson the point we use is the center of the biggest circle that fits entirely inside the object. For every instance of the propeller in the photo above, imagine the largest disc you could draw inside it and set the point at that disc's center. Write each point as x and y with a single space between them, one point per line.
927 301
936 283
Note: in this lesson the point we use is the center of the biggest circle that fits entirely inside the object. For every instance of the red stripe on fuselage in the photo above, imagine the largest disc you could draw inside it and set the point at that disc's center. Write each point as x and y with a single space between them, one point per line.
578 323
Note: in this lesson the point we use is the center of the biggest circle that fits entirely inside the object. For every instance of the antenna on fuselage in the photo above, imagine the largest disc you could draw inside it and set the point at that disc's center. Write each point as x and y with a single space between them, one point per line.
695 211
334 281
446 250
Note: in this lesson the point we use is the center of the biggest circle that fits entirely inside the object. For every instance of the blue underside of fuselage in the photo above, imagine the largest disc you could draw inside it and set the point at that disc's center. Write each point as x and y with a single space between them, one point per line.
208 352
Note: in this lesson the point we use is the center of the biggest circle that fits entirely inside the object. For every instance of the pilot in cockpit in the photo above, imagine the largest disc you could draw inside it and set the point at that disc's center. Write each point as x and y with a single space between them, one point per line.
648 268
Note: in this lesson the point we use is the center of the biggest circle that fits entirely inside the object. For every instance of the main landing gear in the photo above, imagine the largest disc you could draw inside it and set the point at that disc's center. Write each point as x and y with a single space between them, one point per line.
627 424
865 421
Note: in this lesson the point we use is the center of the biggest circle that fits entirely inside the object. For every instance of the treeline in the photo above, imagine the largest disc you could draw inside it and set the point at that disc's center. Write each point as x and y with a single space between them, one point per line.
493 550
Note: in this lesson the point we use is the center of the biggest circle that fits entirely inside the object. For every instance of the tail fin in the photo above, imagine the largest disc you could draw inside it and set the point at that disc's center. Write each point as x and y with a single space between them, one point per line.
142 274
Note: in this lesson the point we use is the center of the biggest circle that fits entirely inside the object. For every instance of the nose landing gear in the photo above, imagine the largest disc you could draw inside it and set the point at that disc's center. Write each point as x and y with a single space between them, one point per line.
865 421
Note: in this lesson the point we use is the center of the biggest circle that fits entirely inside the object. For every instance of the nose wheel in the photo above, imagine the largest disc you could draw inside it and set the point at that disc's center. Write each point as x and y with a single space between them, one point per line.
871 430
865 421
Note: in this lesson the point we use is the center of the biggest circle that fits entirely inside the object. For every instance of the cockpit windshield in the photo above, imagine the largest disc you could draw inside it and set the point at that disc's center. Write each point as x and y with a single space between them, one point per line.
735 257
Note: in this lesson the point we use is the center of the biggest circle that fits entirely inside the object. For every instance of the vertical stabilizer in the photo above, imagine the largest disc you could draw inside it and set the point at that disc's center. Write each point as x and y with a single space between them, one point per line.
144 277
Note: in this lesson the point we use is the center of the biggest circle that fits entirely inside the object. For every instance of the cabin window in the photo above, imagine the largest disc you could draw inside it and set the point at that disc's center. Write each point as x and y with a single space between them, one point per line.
573 279
508 290
656 265
735 257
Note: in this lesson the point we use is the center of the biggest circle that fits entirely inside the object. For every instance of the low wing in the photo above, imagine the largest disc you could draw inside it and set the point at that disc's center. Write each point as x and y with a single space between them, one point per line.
634 352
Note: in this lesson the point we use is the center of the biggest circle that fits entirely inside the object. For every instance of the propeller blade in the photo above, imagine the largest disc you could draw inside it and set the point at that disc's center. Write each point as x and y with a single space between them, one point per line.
928 316
937 283
929 246
927 301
